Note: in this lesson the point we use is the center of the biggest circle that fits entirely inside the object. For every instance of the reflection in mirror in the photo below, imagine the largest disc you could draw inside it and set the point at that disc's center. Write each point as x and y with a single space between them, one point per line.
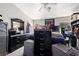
17 25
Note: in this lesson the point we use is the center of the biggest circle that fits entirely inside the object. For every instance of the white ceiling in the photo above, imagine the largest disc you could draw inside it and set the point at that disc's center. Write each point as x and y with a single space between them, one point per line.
30 9
57 9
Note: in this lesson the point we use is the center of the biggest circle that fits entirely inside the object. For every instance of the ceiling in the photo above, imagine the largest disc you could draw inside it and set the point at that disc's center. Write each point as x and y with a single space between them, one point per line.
56 9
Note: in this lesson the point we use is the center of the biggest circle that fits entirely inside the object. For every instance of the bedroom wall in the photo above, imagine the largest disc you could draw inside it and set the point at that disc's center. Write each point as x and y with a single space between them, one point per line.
58 20
9 10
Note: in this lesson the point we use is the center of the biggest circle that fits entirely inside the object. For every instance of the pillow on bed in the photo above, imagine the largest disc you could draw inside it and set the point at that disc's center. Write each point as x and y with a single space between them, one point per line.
57 34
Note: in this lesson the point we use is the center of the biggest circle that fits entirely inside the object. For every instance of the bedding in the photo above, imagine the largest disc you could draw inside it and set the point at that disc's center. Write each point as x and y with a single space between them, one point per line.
57 37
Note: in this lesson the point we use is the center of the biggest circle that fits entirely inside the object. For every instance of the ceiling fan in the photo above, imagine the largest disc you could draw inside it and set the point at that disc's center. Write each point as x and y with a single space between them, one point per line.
46 6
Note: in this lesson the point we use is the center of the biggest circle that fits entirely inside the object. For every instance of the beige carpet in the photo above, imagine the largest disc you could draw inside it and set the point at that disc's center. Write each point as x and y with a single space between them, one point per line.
18 52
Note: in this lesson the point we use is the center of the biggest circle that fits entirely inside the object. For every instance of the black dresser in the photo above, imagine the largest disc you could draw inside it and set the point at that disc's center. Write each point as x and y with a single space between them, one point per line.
15 41
42 43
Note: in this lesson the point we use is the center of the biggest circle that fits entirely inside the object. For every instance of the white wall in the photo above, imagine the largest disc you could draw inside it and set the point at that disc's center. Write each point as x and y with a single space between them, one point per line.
59 20
9 11
40 22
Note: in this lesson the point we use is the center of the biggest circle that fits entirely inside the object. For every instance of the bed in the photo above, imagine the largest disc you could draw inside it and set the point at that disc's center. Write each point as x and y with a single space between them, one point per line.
57 37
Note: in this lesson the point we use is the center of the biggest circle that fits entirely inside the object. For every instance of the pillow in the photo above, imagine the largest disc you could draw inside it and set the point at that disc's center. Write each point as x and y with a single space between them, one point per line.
57 34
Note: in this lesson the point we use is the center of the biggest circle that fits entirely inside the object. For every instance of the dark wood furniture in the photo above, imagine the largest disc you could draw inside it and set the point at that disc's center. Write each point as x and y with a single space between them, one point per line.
42 43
